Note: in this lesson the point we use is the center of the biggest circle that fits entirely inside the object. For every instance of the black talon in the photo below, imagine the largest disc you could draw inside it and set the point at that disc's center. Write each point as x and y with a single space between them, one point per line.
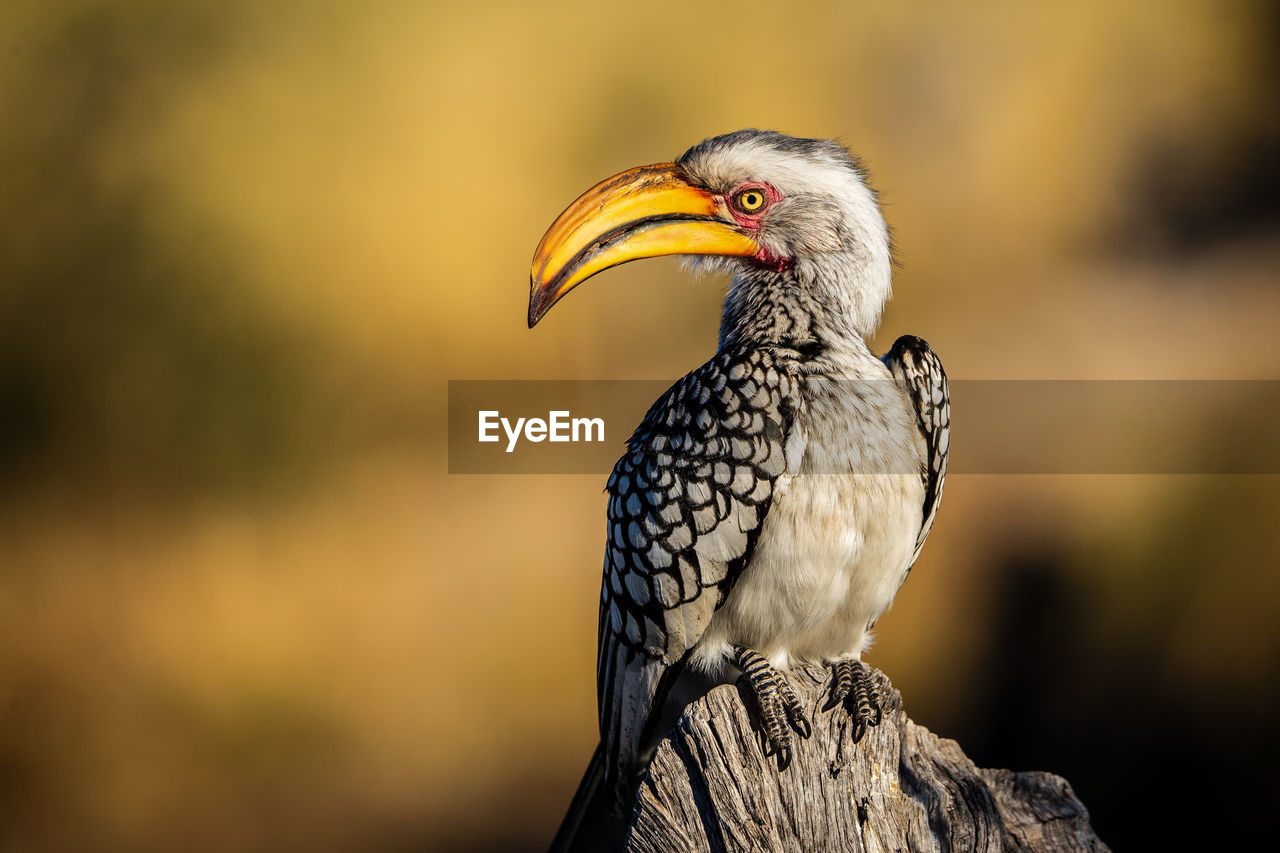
801 724
841 683
851 684
779 706
866 701
794 708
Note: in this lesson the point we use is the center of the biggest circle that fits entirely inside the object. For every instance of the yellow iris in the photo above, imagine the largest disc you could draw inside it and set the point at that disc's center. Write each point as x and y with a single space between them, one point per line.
750 200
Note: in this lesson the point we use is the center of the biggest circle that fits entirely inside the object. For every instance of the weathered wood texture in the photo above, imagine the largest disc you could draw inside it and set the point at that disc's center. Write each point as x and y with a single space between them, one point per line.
902 788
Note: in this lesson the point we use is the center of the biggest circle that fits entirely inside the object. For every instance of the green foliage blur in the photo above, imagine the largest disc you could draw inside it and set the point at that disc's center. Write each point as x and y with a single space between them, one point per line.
244 246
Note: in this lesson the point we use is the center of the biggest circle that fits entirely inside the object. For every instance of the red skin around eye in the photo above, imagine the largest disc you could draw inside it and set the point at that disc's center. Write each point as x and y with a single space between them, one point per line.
751 221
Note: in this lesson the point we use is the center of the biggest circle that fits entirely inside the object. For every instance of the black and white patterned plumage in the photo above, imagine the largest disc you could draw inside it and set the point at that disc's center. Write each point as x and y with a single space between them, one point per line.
919 370
686 504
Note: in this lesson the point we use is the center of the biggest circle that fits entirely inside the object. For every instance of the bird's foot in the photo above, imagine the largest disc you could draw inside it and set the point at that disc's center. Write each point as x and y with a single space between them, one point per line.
851 685
779 706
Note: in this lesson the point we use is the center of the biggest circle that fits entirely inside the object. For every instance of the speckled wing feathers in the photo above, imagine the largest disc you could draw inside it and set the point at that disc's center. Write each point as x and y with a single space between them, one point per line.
919 370
686 503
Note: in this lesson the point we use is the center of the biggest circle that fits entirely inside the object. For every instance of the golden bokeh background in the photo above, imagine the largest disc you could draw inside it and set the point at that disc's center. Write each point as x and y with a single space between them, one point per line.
244 246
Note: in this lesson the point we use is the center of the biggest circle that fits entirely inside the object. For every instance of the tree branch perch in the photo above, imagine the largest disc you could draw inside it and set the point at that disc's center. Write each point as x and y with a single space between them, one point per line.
709 788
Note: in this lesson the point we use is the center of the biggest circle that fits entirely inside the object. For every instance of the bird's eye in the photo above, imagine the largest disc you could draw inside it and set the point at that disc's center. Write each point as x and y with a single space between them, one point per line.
749 200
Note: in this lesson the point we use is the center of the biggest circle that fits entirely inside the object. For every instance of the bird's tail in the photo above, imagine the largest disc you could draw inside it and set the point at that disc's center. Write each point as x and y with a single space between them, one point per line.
590 824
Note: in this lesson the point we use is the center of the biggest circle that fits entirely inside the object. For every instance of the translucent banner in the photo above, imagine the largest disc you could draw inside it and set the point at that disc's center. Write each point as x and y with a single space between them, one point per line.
997 426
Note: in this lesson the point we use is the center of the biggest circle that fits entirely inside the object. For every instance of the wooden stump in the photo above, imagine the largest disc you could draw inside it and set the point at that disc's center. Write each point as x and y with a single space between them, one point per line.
901 788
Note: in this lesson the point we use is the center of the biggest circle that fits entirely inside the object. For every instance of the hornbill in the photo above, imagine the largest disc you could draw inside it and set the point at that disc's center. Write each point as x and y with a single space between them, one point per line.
772 502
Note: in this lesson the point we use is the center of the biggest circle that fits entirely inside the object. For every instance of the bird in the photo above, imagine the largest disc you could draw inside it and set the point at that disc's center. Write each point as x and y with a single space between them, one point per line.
771 503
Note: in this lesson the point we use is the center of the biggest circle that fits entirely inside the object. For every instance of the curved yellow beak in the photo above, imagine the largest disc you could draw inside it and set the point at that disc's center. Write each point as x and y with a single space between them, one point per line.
645 212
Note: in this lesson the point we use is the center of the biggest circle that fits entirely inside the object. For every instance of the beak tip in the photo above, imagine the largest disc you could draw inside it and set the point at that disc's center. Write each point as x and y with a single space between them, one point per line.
540 301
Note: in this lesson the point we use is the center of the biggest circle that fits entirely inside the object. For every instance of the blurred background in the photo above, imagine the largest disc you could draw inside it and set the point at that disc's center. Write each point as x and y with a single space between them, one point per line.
244 246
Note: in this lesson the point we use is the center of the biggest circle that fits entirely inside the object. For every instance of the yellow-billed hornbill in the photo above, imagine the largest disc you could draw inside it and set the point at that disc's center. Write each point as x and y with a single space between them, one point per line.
771 503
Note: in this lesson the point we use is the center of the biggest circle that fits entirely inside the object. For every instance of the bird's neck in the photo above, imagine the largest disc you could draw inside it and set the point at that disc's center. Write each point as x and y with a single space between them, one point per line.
804 307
